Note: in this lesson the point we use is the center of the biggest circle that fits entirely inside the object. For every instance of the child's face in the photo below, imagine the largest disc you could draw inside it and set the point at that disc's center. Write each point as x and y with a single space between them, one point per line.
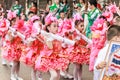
57 1
81 1
16 2
30 16
62 15
23 17
90 6
53 28
80 27
50 3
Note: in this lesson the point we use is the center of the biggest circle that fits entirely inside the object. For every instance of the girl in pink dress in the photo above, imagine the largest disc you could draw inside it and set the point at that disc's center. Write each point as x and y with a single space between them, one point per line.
50 58
34 44
13 47
80 54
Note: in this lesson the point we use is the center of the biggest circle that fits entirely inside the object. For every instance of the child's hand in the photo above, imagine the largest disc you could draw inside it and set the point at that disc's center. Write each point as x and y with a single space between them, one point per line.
101 65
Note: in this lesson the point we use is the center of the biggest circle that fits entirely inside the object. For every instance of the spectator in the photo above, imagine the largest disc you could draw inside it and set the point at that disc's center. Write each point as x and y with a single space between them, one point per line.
48 5
1 9
33 7
17 7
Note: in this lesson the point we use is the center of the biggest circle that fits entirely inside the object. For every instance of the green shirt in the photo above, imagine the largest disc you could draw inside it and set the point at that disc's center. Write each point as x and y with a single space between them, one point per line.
92 15
17 8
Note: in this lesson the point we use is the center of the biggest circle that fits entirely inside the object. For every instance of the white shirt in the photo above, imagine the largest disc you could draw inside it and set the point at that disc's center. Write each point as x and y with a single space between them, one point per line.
100 58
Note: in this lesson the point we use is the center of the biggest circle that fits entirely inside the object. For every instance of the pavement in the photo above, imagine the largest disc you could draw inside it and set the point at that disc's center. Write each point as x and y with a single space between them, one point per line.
25 72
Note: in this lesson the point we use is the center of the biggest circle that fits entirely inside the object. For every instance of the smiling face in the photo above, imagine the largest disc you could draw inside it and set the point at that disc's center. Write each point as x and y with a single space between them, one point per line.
53 28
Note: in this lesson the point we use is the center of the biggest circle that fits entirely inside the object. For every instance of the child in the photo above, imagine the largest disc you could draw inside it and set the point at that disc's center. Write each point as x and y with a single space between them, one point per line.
13 50
33 45
80 52
112 34
50 59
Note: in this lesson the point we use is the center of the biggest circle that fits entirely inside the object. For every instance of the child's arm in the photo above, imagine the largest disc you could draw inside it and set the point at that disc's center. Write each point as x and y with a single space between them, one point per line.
101 65
48 42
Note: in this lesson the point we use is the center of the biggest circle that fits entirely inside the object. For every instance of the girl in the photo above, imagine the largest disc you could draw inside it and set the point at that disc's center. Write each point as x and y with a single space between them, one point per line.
33 46
50 58
13 47
80 54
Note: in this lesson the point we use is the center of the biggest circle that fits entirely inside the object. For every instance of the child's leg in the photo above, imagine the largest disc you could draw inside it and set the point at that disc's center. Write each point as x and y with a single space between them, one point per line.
55 75
39 75
66 73
75 72
17 68
13 70
80 72
33 74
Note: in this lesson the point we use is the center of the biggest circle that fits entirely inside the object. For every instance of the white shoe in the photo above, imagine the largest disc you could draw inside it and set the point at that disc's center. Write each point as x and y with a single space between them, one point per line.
19 78
4 62
39 78
13 77
62 73
11 64
69 76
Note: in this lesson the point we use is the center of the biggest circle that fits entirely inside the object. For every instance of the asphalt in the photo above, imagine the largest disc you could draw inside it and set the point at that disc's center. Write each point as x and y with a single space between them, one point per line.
25 72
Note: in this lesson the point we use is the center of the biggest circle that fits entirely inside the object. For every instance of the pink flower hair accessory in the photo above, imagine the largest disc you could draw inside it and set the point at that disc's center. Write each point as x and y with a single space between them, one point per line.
50 18
108 15
11 14
112 8
77 17
34 18
20 25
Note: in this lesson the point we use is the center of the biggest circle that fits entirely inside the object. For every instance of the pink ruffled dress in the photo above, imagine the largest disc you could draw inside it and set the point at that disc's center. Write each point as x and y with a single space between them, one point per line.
52 58
12 49
80 53
30 53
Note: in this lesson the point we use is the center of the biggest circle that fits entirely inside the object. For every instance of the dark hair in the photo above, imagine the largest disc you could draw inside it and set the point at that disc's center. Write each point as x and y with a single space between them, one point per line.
13 19
93 2
17 0
83 1
48 1
113 31
62 11
103 17
65 1
34 3
30 12
77 22
46 28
